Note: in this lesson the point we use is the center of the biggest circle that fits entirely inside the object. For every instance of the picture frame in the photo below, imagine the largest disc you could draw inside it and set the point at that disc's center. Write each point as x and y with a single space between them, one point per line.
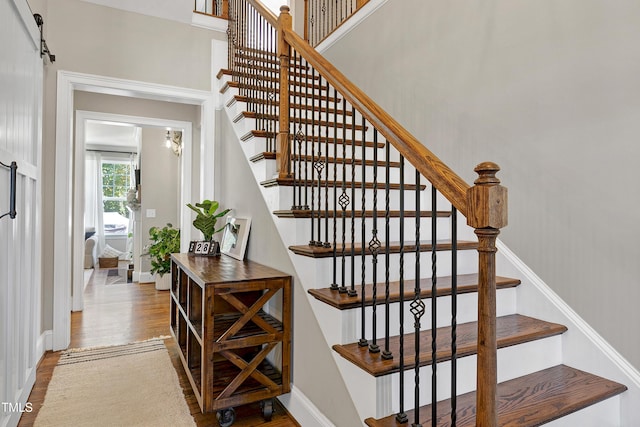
235 237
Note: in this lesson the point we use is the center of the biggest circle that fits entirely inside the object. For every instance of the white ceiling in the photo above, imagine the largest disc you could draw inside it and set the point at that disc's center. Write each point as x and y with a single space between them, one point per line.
115 135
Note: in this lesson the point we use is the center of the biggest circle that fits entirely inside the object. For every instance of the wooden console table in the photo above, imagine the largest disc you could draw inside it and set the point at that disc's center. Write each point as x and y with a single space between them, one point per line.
220 320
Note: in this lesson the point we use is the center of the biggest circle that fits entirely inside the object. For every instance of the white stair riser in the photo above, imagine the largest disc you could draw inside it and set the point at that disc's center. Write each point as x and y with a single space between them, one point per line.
351 322
286 199
321 269
264 170
303 225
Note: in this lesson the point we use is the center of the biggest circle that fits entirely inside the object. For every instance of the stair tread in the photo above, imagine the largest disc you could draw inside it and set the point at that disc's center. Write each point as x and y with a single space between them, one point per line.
308 121
296 106
394 247
510 330
338 160
527 401
264 57
306 213
261 88
466 283
289 182
270 155
318 139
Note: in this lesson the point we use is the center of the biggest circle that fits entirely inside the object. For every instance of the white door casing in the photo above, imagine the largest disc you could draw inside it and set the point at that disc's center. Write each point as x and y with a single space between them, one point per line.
67 83
21 91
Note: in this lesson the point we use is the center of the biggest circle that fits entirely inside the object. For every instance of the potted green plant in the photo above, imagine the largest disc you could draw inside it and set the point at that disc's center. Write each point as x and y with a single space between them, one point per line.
207 217
164 242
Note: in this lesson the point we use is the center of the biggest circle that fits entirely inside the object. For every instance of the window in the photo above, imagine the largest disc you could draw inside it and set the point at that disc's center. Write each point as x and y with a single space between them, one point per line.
116 182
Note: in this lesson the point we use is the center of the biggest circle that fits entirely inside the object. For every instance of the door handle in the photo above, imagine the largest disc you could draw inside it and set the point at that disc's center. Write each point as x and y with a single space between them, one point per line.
12 191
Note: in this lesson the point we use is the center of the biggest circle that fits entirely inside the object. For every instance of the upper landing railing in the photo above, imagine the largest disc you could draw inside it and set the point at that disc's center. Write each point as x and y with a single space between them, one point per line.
321 17
219 8
331 143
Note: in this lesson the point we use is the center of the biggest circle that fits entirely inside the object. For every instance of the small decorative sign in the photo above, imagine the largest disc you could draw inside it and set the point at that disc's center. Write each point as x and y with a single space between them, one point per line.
204 248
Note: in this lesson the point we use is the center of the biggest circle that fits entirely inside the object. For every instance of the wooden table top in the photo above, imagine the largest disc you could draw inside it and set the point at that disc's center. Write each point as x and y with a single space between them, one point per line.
224 269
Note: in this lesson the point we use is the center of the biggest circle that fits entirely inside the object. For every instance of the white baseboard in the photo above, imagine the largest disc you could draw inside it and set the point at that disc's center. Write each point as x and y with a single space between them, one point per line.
45 342
303 410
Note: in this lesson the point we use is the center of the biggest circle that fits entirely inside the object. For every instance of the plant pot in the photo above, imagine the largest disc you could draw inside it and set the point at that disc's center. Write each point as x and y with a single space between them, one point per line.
163 283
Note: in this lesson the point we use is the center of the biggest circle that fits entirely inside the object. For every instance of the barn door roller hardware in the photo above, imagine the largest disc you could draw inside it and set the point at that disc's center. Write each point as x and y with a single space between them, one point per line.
12 192
44 49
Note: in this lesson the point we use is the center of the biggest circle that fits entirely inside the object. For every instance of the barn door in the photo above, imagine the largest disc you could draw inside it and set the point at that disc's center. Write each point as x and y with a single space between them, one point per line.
20 277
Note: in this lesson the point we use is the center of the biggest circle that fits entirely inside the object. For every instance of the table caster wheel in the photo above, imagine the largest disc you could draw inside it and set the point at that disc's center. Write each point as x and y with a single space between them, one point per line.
267 409
226 417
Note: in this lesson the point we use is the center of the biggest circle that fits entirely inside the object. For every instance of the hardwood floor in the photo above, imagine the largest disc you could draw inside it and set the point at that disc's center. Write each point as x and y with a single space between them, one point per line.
124 313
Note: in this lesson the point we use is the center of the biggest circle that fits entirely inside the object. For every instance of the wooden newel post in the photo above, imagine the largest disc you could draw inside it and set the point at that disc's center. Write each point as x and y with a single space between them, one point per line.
487 213
283 149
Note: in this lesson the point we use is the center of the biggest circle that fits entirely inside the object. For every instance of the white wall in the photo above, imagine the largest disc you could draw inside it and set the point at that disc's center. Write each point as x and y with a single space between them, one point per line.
160 183
548 90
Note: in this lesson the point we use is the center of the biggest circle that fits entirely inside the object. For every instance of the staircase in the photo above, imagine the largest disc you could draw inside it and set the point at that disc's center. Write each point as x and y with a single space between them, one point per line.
382 248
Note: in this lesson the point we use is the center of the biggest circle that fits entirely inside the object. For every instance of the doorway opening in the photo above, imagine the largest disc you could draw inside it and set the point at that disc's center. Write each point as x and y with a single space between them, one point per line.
111 150
69 234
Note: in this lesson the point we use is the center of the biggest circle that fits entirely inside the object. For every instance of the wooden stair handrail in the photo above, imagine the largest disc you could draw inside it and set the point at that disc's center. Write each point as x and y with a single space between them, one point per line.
428 164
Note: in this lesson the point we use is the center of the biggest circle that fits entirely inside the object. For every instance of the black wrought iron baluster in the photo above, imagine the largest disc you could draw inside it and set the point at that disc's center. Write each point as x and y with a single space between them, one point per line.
303 91
272 98
324 20
240 39
417 305
313 20
352 290
454 315
363 318
297 133
250 64
314 158
263 78
326 244
386 353
344 199
434 308
305 67
334 283
242 34
264 70
320 162
302 97
401 416
374 246
231 54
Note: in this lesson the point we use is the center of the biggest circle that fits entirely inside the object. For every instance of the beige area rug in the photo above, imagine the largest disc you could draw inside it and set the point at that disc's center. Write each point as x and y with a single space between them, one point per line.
111 276
128 385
